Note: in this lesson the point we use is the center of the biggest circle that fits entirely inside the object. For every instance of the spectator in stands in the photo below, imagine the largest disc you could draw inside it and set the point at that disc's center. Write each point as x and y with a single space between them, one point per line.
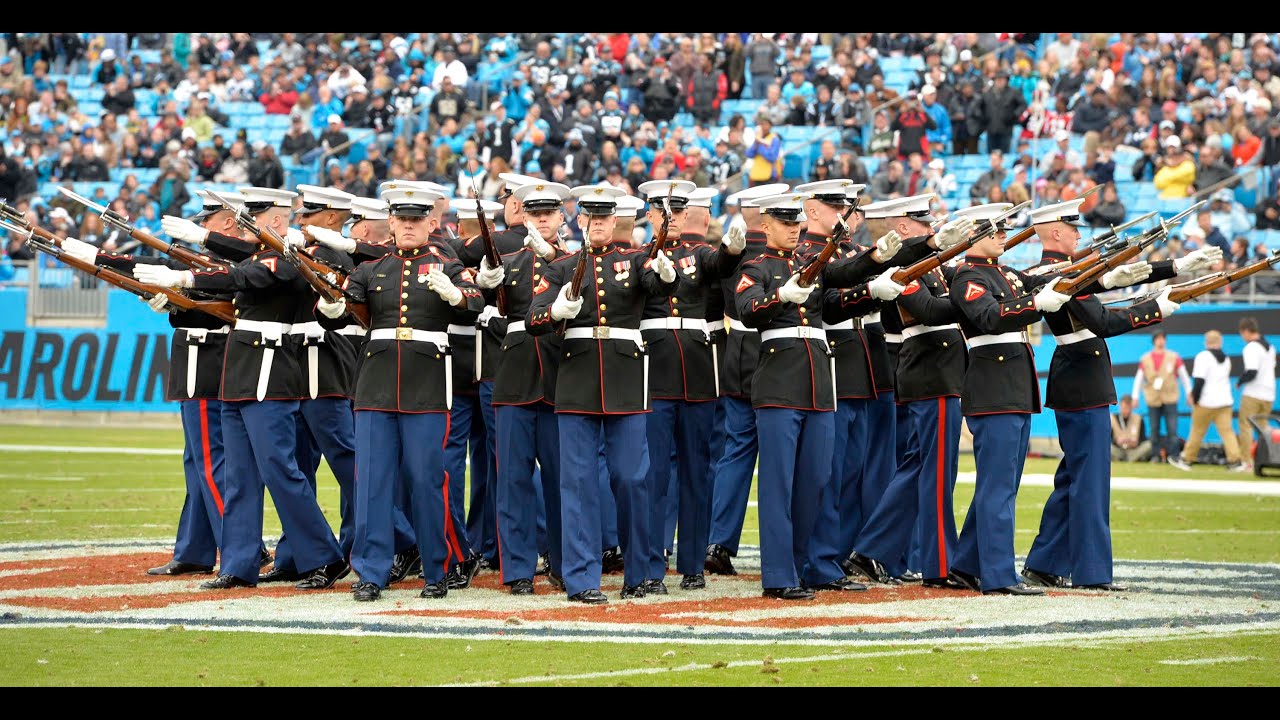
449 102
1268 213
798 85
355 111
235 169
108 68
796 115
1094 114
452 68
762 56
334 137
1176 175
1227 215
298 141
964 130
265 169
774 106
763 156
325 105
1211 403
577 159
661 92
1129 441
208 164
198 121
170 192
997 110
852 115
938 181
911 125
343 80
118 98
888 182
1246 145
1109 211
940 134
1239 254
1210 169
822 111
88 167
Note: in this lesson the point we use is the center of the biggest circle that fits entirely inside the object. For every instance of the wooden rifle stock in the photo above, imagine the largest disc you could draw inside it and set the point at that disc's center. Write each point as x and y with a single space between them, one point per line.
172 249
492 256
809 275
660 239
1019 238
1097 268
1208 284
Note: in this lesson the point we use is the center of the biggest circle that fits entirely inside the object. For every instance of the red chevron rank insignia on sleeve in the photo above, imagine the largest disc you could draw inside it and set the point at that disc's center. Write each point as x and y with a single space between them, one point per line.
270 263
744 283
973 292
911 288
541 286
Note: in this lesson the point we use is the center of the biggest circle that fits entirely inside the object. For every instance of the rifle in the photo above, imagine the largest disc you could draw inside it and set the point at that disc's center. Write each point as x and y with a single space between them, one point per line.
661 238
1106 241
121 223
1098 267
809 275
984 229
324 279
1117 245
1192 289
15 222
220 309
490 250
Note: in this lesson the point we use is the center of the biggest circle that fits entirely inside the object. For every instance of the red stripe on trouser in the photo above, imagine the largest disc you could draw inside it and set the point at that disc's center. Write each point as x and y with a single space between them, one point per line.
450 534
497 516
941 487
208 459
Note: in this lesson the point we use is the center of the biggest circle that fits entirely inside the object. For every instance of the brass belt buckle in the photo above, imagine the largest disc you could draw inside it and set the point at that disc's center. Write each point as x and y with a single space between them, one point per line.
602 333
404 333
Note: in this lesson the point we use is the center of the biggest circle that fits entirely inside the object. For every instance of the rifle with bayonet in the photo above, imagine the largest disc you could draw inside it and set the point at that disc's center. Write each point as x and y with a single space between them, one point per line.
1116 246
1107 240
660 239
983 230
1192 289
1025 233
493 258
220 309
17 223
121 223
809 275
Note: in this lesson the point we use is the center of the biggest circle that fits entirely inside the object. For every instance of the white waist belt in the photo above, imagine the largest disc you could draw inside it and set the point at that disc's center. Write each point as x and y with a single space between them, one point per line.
1001 339
195 338
352 330
922 329
739 327
490 312
462 330
440 339
515 326
270 329
895 338
794 332
310 329
1075 337
843 325
871 318
198 334
604 333
675 323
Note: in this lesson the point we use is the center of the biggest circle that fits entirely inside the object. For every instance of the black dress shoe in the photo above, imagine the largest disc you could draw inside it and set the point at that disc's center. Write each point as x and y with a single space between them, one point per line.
1019 589
1107 586
789 593
280 575
870 568
590 597
634 591
522 586
174 567
910 576
963 578
366 592
489 563
402 565
945 583
655 587
718 561
325 577
840 584
264 558
556 581
611 561
434 591
543 567
693 582
1046 579
463 573
225 582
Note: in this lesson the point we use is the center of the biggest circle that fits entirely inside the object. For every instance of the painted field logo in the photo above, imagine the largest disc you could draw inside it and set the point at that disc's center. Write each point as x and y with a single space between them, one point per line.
104 584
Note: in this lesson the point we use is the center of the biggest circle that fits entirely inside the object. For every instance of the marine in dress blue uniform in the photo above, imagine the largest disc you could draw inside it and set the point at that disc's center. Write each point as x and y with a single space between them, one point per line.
1073 545
403 394
602 386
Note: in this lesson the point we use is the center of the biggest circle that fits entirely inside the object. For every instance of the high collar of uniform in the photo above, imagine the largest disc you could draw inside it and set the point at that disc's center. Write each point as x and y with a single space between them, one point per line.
784 254
975 260
694 238
813 237
603 249
411 254
1054 256
755 235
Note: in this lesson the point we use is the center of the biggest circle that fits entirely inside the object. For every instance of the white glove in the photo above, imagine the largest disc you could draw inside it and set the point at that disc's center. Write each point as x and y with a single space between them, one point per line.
332 310
1167 306
444 287
953 233
295 238
883 287
534 242
887 246
332 239
665 268
1127 275
1050 300
564 308
81 251
1198 260
735 240
183 229
792 292
489 278
163 276
159 303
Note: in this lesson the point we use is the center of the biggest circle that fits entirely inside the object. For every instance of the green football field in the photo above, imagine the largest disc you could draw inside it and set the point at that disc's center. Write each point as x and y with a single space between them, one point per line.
56 495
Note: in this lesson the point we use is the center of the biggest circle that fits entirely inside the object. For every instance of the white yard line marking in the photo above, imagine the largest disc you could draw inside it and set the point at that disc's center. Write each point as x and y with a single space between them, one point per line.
1268 488
73 510
91 450
1210 661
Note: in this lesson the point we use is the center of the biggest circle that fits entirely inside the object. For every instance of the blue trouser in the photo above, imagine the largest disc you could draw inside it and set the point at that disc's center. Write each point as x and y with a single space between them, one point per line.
917 504
466 430
482 515
733 473
985 547
672 514
608 508
325 428
686 428
627 455
882 454
841 500
395 448
906 441
200 524
1075 529
259 438
527 433
795 465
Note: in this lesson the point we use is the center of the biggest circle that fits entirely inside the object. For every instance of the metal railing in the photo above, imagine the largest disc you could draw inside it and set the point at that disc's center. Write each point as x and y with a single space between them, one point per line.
61 296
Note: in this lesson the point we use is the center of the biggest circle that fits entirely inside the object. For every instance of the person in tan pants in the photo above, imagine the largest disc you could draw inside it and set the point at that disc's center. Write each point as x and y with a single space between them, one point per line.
1257 383
1211 403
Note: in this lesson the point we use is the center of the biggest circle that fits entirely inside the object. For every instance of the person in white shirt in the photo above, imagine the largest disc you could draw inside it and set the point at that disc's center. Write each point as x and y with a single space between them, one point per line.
343 80
1257 383
451 66
1211 403
1159 372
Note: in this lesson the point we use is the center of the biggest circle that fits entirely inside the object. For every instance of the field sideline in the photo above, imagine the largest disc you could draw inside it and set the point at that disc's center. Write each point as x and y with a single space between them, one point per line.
62 587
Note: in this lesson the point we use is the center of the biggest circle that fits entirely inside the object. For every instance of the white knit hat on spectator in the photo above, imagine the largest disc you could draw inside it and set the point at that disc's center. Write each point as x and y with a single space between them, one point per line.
1061 135
316 199
658 190
466 208
334 119
210 204
368 209
788 207
598 199
108 55
1173 141
838 191
542 195
406 201
257 199
747 198
915 207
978 213
928 90
702 197
1067 212
937 164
